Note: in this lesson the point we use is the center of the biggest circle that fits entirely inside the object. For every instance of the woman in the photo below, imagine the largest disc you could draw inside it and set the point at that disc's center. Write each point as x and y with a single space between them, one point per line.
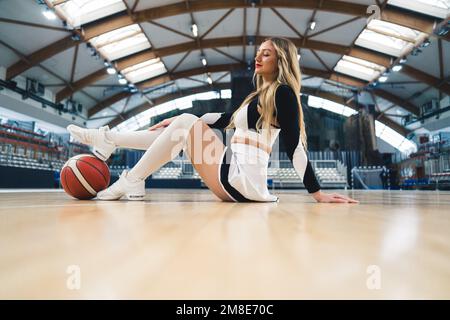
234 173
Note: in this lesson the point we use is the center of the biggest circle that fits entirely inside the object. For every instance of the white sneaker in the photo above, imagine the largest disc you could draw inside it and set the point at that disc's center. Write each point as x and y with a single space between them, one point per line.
102 147
123 187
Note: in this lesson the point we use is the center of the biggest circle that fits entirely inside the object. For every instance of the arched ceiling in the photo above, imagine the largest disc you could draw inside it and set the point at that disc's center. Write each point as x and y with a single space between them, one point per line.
228 35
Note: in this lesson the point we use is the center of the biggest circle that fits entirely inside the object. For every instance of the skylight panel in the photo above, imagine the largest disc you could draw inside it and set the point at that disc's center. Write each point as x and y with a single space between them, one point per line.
435 8
79 12
389 38
121 42
145 70
359 68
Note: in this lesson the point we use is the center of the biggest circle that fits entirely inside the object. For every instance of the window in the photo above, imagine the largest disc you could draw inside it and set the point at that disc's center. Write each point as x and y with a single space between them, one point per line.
143 118
382 131
394 138
226 94
331 106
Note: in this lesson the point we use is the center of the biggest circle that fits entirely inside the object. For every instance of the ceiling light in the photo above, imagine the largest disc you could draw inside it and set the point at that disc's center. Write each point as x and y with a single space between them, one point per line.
416 52
204 62
443 30
403 60
194 30
397 68
209 79
426 43
383 78
49 14
312 25
123 81
75 36
111 70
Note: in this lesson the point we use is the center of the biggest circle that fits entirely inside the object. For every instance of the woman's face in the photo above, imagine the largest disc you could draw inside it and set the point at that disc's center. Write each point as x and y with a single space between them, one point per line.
266 59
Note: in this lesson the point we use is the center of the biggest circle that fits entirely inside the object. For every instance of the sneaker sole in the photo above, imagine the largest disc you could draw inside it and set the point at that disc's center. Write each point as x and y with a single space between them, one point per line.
134 197
100 155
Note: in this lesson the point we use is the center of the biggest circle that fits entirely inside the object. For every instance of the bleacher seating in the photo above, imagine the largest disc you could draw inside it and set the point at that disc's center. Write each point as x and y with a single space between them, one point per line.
285 176
22 161
330 175
168 173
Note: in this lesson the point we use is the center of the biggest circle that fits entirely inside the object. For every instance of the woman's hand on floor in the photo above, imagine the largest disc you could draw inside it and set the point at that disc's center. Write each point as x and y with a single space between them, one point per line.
162 124
320 196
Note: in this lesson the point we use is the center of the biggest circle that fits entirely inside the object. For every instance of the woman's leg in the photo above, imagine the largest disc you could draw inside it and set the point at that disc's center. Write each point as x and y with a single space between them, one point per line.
104 141
187 132
206 157
140 140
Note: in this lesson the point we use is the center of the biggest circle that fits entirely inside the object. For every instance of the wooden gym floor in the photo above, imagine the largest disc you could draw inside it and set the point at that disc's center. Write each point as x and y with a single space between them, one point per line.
184 244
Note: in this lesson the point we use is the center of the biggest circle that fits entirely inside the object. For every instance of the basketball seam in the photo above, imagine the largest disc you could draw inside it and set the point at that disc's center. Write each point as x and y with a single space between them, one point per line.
94 168
81 173
81 184
94 193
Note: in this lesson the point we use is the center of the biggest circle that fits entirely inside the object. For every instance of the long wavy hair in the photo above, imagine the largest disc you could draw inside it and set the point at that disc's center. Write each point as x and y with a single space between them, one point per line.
288 72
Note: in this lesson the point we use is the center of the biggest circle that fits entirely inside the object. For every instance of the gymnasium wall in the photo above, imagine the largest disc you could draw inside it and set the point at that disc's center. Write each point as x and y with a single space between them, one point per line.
13 177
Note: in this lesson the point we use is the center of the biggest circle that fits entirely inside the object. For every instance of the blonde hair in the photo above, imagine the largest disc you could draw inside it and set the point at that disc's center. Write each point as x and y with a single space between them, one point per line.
288 73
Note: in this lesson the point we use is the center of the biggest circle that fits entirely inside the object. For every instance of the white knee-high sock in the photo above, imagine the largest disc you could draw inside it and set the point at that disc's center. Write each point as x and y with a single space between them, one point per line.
165 148
140 140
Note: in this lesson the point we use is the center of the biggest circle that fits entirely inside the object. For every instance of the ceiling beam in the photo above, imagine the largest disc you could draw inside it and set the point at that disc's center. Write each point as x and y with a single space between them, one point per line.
215 43
187 73
357 52
96 28
206 5
437 83
408 106
34 25
258 24
220 68
391 14
145 55
108 102
80 84
350 81
39 56
404 18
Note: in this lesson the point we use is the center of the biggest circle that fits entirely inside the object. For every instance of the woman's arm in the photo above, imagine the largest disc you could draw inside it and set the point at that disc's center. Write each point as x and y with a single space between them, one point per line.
288 118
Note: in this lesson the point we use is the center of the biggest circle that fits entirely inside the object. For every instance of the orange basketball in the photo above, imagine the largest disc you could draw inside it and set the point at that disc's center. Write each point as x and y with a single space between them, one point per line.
84 175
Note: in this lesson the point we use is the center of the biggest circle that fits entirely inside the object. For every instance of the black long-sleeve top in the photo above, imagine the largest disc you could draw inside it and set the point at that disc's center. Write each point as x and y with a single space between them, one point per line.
287 115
